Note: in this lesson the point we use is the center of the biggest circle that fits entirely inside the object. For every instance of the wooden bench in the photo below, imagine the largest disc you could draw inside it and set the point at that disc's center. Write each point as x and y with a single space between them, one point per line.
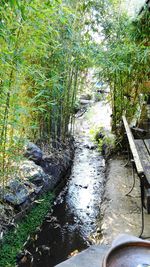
140 149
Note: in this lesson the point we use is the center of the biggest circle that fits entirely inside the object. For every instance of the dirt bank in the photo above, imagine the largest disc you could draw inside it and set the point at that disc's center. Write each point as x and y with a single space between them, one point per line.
121 213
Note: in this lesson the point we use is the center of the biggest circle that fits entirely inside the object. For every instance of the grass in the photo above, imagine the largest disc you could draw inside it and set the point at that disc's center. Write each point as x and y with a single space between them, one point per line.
14 240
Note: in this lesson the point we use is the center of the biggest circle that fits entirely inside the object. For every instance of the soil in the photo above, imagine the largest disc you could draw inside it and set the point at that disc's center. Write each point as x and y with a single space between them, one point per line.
121 213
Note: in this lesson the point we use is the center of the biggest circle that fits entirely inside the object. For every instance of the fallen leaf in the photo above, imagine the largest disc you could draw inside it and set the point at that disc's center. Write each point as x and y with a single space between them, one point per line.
73 253
24 259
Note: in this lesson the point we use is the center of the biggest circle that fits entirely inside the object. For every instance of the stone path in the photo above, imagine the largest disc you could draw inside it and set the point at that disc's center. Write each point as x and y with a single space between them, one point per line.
90 257
121 213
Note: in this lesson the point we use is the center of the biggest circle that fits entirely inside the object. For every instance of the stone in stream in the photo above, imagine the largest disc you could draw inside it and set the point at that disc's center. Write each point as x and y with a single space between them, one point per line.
45 249
90 146
82 186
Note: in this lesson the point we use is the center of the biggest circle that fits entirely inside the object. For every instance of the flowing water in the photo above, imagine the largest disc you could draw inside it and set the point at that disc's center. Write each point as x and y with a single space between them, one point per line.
72 225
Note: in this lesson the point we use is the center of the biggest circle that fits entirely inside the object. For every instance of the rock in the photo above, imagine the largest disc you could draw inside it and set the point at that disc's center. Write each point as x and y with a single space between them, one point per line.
38 190
98 136
56 170
57 166
38 230
73 253
33 152
85 187
86 102
24 257
90 146
45 248
19 256
82 186
17 192
46 177
104 149
6 215
37 174
81 112
34 173
86 97
1 235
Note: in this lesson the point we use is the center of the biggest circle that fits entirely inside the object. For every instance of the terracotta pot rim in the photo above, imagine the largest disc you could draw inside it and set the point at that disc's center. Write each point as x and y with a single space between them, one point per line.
122 245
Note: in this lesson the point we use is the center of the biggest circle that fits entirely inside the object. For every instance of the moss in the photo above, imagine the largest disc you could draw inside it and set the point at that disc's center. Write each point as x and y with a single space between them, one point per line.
15 239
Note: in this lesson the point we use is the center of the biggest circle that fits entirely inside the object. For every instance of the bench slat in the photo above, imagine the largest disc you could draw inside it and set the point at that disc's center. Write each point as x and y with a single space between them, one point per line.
133 148
144 157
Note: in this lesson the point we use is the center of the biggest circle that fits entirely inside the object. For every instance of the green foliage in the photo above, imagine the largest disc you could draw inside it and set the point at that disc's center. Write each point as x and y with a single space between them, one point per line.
123 57
103 139
46 49
108 141
43 52
14 239
141 27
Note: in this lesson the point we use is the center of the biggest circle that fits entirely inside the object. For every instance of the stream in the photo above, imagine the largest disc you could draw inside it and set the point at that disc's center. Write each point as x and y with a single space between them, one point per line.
72 224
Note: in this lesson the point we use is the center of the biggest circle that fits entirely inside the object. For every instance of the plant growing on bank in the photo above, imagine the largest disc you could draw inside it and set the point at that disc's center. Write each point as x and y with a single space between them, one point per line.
105 141
14 240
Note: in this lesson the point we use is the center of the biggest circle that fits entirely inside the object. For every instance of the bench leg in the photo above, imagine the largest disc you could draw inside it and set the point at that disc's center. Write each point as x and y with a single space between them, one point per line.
129 157
133 176
148 200
142 206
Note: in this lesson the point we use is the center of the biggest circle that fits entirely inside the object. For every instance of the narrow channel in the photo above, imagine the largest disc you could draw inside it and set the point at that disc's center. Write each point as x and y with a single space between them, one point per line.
72 225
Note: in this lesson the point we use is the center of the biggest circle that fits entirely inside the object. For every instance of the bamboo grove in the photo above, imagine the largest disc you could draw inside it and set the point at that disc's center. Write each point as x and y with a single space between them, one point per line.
43 51
46 48
123 57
